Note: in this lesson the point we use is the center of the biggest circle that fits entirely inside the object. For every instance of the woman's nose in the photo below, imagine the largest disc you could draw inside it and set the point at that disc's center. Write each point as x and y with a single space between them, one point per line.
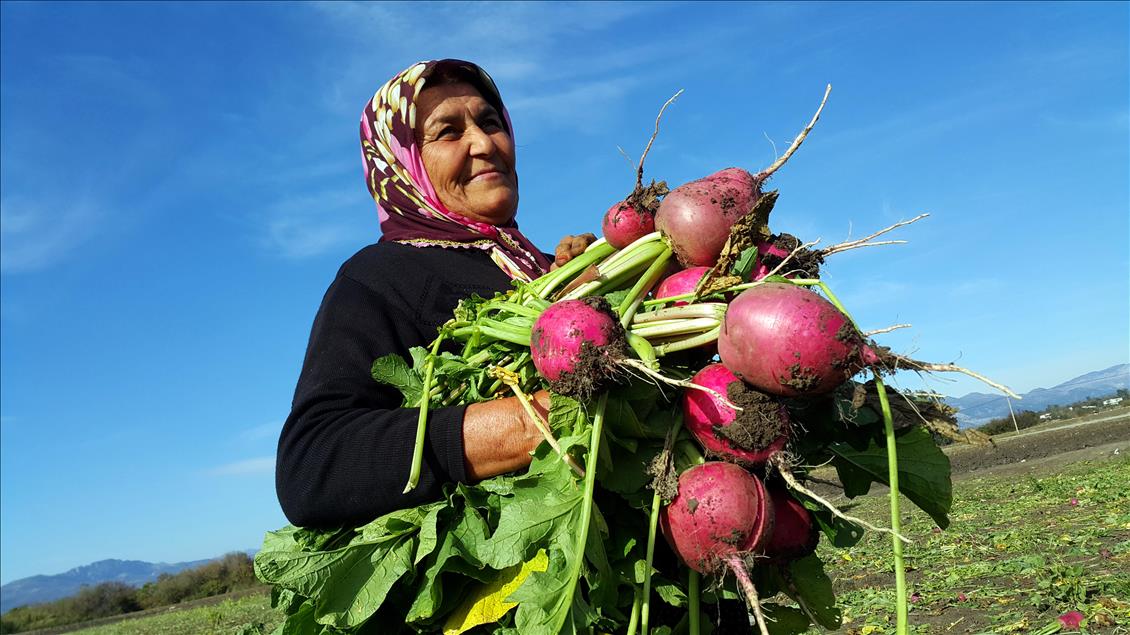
481 143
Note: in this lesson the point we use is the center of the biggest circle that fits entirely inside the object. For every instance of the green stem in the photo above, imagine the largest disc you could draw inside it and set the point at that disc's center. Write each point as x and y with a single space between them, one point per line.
688 343
676 327
422 419
643 286
545 285
497 330
591 458
693 600
716 310
652 523
615 274
901 600
634 620
893 475
512 307
644 350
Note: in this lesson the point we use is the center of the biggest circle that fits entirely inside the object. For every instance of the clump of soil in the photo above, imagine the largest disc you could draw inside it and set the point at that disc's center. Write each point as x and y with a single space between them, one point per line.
802 379
663 477
647 199
806 261
761 421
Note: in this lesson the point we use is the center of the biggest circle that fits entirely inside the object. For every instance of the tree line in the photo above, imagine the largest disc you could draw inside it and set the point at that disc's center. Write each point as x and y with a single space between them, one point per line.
1029 418
232 572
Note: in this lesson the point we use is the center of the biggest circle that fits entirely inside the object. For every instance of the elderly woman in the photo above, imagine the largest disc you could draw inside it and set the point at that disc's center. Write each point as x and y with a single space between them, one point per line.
439 161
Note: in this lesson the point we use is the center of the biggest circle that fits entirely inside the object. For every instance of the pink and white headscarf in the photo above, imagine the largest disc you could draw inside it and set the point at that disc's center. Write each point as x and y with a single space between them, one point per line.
410 211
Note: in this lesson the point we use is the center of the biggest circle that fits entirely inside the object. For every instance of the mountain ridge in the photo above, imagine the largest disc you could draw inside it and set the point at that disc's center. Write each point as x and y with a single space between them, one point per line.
41 588
976 408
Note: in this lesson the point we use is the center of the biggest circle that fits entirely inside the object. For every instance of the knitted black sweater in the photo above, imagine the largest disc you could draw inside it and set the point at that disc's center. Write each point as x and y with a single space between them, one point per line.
346 448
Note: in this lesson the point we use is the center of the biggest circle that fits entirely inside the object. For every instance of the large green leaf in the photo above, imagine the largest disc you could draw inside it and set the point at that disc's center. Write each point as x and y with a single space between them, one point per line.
394 371
348 584
923 469
806 578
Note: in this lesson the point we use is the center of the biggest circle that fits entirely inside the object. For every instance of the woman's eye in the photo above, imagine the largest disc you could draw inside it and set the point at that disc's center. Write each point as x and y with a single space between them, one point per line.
446 132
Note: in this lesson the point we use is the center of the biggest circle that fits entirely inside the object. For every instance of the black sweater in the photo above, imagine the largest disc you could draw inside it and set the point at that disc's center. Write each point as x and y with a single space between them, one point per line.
345 450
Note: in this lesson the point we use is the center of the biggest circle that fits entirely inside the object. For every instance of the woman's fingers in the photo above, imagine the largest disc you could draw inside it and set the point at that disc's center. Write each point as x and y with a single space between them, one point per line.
572 246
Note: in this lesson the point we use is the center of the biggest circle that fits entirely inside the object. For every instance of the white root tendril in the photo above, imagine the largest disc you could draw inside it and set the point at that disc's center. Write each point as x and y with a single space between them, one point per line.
866 240
915 365
510 378
734 561
888 329
639 170
790 257
782 465
799 139
681 383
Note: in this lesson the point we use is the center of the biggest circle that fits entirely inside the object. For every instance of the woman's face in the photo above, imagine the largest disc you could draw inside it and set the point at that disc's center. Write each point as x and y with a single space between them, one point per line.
467 152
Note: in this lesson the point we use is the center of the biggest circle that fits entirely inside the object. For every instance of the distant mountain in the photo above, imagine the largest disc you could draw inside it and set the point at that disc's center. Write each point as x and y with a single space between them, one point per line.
978 407
45 588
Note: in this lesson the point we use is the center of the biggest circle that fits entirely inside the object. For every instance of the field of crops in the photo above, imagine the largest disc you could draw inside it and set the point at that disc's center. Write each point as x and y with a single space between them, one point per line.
1021 551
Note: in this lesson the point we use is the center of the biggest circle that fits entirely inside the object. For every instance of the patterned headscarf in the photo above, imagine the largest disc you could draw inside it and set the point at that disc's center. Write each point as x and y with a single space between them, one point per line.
409 209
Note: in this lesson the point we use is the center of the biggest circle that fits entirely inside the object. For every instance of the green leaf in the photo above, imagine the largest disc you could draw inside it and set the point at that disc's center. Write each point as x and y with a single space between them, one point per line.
923 469
349 584
394 371
841 533
784 620
745 263
565 414
814 588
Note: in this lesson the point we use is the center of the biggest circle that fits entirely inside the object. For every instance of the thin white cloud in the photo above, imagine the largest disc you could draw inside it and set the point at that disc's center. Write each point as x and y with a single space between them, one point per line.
35 235
269 430
308 226
247 467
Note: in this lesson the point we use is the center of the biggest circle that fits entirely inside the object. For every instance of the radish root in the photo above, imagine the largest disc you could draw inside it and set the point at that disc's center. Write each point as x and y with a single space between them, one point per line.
639 170
510 378
781 463
767 172
748 589
866 240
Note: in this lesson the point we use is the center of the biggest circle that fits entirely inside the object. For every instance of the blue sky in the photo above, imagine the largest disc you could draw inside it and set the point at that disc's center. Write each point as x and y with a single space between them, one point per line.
181 181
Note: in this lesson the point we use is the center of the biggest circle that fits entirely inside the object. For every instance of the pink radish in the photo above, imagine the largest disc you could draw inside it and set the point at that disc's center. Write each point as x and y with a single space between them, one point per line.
680 283
789 341
625 222
575 345
696 217
719 511
794 533
750 437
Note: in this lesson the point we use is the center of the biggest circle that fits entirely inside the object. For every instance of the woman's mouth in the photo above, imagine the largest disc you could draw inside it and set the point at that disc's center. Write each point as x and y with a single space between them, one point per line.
487 175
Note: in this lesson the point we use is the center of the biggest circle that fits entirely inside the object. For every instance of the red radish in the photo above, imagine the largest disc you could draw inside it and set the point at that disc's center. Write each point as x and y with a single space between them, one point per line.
624 223
696 217
750 437
680 283
769 255
721 510
789 341
794 533
575 345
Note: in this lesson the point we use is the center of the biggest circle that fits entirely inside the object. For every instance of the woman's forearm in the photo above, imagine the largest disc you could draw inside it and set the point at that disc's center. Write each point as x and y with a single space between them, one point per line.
498 435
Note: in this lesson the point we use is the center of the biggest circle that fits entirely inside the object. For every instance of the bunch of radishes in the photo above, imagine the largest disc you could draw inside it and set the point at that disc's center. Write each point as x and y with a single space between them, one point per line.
739 294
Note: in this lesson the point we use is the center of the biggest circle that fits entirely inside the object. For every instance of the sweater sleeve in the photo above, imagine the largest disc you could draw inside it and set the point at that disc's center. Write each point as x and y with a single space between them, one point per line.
345 451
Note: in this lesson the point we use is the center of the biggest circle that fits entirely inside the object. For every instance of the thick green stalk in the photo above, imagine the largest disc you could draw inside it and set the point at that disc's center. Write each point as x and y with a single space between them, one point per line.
688 343
693 600
675 327
612 275
643 286
652 523
422 419
901 606
901 609
545 285
591 458
634 619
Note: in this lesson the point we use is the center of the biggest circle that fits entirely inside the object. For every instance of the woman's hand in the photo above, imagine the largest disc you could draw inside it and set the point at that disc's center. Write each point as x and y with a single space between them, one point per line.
499 435
570 247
